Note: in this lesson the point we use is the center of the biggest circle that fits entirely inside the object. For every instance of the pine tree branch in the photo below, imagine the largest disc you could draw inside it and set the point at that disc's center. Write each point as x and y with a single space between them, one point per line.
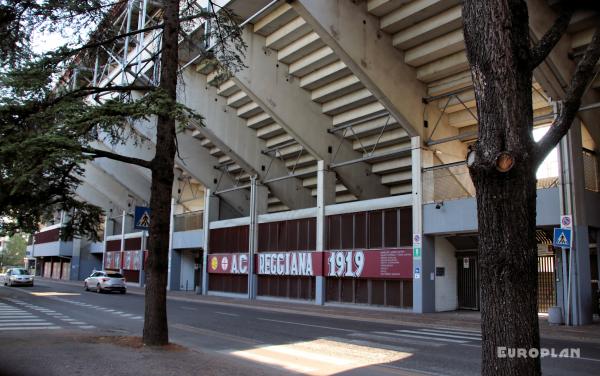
96 153
115 38
89 90
572 101
540 51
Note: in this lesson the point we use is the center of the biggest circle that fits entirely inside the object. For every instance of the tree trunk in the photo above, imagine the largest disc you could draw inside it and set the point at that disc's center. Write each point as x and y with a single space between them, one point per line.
156 331
498 49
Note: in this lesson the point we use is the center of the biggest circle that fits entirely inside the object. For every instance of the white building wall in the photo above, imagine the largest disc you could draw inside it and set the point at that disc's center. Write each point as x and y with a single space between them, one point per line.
446 294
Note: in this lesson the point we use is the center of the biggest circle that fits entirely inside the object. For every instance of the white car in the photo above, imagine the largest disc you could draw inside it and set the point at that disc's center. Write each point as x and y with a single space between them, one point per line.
17 276
102 281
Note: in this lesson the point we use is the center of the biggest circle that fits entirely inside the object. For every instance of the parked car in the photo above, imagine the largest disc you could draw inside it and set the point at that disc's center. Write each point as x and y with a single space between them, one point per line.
102 281
17 276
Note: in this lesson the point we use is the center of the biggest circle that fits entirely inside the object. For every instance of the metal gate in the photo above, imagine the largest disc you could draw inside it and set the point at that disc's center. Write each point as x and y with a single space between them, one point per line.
546 283
468 282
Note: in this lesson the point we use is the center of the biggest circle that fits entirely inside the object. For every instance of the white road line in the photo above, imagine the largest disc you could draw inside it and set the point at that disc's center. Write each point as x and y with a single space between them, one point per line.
127 314
227 314
68 319
17 316
7 324
403 341
590 359
420 337
302 324
477 332
77 323
430 333
31 328
137 317
87 326
21 320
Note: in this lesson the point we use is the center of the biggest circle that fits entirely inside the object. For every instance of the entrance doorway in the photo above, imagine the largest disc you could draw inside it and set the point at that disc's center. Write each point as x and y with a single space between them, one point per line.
546 283
468 281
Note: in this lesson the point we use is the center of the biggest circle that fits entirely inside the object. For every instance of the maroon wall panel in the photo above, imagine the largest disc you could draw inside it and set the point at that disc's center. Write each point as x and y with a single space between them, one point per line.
47 236
113 245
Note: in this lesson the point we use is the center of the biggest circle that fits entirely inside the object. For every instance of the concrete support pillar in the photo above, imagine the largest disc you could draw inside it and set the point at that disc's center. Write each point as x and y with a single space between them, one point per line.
325 196
106 224
582 294
75 260
211 213
258 205
123 220
172 283
577 303
143 247
424 262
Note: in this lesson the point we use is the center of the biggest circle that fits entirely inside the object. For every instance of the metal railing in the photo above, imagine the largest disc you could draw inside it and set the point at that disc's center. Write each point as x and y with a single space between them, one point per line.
590 171
189 221
452 181
447 182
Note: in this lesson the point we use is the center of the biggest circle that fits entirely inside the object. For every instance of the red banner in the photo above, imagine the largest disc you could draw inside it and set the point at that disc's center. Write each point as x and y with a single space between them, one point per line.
228 263
131 260
112 260
290 263
385 263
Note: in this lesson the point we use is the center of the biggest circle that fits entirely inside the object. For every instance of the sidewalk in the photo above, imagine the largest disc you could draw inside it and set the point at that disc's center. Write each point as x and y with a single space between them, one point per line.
70 353
452 319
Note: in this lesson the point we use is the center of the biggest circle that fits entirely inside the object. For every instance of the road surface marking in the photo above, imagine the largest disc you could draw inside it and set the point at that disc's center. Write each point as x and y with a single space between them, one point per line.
7 324
436 334
227 314
21 320
188 308
402 341
31 328
87 326
477 332
421 337
137 317
217 334
303 324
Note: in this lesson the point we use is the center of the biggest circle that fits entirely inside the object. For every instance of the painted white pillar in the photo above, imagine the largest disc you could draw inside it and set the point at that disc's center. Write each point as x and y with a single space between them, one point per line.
325 196
424 263
106 222
171 231
211 213
123 219
258 205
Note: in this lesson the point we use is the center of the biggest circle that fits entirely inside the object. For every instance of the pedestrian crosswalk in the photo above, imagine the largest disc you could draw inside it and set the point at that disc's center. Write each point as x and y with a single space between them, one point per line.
13 318
424 336
100 308
26 316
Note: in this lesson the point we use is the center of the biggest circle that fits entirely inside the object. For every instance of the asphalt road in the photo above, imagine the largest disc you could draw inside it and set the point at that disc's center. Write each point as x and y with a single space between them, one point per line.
291 343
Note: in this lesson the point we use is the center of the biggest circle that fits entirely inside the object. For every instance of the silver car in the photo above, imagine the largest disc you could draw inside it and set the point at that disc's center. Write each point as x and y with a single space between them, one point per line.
18 276
102 281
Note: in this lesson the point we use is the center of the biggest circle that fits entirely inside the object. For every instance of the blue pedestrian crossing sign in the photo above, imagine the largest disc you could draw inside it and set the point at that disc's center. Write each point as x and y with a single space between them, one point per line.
562 238
141 219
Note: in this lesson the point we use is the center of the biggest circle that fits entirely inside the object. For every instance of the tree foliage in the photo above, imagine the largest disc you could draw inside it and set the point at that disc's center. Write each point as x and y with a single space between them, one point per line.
52 115
14 251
